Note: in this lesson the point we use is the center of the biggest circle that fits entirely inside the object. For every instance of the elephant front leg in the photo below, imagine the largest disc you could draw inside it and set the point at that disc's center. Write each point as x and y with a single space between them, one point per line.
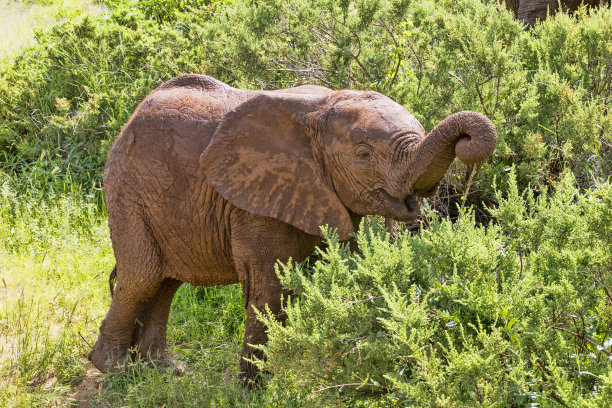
257 244
260 288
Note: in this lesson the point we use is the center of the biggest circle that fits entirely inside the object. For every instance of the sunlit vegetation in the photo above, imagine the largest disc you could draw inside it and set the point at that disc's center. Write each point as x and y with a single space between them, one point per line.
500 296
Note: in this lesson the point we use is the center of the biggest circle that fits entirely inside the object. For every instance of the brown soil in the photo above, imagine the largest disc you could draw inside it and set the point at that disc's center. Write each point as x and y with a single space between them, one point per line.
84 394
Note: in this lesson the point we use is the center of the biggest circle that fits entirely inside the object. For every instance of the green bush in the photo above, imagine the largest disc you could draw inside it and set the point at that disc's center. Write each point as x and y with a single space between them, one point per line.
162 11
71 95
547 90
515 313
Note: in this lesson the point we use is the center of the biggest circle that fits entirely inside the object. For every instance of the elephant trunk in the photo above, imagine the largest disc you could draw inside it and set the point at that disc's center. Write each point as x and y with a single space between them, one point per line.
469 136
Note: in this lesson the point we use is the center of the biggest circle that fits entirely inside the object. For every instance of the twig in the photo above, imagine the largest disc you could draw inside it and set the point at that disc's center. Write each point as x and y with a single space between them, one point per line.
482 101
471 170
520 248
497 95
341 386
456 77
83 338
369 299
328 378
608 294
591 342
356 57
397 52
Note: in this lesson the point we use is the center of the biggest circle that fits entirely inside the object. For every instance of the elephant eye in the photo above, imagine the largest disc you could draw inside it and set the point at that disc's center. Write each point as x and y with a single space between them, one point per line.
363 153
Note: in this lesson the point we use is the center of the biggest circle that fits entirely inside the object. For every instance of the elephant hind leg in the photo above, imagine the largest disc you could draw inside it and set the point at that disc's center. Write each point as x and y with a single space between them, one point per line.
149 335
112 281
110 350
139 275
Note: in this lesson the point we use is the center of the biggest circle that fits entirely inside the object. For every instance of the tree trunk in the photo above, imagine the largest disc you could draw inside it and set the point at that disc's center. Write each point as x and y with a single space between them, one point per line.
530 11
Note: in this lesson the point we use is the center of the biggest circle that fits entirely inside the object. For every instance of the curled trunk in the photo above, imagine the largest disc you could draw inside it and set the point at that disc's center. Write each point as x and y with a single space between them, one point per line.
469 136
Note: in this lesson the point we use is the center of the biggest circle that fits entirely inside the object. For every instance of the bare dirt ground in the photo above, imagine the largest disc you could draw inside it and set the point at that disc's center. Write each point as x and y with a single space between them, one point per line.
85 393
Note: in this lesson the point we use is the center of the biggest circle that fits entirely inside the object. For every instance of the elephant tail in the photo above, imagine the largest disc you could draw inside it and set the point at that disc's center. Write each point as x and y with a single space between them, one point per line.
112 280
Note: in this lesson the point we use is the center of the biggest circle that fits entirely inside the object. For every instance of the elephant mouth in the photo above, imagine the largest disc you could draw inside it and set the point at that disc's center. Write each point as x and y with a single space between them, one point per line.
406 208
413 204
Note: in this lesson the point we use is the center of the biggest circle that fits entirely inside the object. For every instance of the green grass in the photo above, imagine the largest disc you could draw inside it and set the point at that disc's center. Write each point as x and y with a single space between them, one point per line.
21 20
64 101
55 257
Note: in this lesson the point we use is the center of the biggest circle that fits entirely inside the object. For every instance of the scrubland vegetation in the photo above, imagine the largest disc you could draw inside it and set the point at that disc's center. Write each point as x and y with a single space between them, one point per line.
501 295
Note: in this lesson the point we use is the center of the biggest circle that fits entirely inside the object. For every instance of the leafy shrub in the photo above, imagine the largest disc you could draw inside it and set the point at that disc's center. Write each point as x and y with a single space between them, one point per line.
550 106
511 314
547 90
162 11
514 313
35 218
71 95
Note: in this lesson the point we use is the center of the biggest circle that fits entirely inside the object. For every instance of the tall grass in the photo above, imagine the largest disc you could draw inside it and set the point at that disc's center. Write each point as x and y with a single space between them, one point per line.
20 21
55 255
54 252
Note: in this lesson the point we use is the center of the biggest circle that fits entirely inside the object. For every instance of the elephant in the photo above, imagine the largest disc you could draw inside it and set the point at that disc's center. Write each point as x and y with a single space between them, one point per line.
208 184
530 11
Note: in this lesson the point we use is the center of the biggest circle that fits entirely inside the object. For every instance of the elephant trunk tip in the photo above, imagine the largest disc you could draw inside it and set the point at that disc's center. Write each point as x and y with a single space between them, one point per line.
469 136
479 137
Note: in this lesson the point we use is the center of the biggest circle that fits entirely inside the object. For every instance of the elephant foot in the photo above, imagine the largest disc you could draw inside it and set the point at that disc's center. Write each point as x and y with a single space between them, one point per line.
106 361
166 360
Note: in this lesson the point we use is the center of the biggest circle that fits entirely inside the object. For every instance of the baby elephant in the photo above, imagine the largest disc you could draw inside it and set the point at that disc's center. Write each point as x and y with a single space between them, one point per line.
211 185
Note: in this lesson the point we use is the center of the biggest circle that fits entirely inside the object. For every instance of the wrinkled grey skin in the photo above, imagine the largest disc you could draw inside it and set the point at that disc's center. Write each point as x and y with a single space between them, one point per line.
211 185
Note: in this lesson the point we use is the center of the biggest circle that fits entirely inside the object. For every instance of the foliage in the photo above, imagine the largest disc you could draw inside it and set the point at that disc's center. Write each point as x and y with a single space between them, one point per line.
459 315
547 90
162 11
19 20
511 314
71 95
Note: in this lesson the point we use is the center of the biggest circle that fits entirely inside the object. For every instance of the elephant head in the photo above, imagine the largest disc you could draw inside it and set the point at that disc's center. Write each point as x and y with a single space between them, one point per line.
316 159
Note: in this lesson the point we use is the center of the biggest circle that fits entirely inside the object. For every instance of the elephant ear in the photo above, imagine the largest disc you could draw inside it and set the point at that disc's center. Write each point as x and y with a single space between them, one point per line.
262 159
